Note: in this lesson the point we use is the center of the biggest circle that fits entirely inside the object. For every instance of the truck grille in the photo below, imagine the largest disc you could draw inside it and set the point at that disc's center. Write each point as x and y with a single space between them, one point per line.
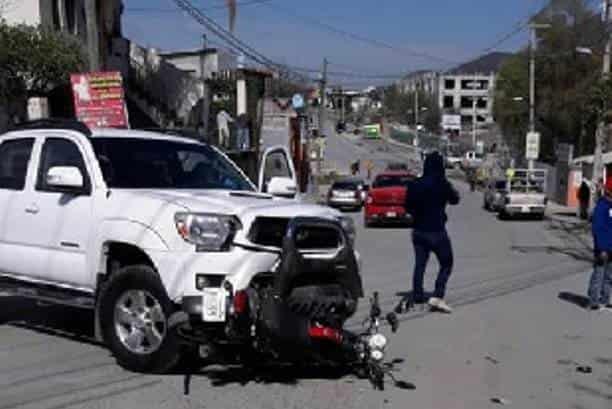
270 231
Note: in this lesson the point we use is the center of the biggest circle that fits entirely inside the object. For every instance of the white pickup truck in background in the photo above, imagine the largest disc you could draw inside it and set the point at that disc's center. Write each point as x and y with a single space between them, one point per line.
525 194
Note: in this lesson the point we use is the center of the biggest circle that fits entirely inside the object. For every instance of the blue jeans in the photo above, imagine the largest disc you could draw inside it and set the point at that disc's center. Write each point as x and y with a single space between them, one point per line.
424 244
600 283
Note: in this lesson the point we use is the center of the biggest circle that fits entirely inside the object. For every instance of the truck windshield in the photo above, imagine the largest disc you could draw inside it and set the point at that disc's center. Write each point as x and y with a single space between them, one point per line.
133 163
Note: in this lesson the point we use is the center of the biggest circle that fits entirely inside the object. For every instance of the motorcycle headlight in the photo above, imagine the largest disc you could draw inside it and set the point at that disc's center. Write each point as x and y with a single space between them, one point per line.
348 225
209 232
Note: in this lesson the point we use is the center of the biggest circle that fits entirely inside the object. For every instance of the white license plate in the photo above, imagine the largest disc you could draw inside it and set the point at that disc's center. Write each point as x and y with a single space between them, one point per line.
525 210
213 305
391 214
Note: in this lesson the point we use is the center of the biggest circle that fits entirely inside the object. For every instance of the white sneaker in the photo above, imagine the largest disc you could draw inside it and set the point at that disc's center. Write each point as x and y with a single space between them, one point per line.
439 304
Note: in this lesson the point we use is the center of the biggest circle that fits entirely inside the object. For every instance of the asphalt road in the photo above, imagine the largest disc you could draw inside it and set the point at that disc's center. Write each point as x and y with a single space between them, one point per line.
511 337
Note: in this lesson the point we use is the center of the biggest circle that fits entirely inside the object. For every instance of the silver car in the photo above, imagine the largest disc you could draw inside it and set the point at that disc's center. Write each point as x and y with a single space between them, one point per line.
347 193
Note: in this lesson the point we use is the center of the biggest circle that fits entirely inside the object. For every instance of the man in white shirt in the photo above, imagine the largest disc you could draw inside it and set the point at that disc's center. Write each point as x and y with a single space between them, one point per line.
223 120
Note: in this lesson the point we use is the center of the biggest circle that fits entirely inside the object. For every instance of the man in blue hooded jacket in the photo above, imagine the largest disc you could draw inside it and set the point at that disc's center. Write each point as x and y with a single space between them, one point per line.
426 200
601 279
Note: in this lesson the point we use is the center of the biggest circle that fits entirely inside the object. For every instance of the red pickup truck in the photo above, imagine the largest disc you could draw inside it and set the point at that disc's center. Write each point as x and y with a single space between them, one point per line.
386 198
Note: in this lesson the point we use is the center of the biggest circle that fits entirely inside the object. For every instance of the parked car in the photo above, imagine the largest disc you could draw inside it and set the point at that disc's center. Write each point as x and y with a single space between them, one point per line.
347 193
162 237
494 194
386 199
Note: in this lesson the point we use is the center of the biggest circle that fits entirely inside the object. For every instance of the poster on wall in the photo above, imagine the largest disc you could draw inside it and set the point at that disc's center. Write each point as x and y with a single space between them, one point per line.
99 99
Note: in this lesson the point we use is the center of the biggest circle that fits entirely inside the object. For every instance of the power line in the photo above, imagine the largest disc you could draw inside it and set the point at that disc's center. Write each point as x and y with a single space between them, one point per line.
208 8
348 74
235 43
358 37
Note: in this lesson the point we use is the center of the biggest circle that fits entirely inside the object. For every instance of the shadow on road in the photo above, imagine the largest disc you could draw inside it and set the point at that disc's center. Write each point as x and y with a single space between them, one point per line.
575 237
575 253
74 324
576 299
270 374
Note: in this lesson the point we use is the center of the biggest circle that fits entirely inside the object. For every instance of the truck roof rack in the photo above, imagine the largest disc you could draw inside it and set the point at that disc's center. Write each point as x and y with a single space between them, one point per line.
53 123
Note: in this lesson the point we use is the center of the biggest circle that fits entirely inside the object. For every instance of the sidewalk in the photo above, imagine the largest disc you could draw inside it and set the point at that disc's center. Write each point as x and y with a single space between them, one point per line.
524 348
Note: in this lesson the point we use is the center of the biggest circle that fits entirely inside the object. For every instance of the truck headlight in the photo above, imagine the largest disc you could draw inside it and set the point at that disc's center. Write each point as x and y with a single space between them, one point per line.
209 232
348 225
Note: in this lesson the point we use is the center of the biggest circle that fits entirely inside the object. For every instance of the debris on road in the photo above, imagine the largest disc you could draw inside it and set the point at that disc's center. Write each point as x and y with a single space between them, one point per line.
501 401
492 360
584 369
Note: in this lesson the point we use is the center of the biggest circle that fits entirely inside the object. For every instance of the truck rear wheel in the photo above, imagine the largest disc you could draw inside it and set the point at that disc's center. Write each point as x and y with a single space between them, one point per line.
133 313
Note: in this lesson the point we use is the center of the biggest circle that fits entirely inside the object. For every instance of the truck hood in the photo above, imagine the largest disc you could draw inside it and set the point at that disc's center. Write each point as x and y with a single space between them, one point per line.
245 205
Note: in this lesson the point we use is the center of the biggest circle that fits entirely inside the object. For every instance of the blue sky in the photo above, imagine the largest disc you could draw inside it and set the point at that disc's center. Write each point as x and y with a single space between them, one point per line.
455 30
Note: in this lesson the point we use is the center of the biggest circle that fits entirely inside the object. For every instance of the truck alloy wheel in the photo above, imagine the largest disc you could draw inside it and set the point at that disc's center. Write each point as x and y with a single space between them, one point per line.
133 311
140 322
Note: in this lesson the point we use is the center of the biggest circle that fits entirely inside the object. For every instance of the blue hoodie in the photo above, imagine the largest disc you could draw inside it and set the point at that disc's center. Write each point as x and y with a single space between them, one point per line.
427 197
602 225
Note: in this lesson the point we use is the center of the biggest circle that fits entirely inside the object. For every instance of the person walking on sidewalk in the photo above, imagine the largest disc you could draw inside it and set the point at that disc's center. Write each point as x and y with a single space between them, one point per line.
426 202
584 199
601 278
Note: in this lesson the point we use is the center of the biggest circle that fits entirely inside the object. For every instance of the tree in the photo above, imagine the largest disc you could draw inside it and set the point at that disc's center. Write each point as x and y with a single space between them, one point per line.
399 106
564 80
34 60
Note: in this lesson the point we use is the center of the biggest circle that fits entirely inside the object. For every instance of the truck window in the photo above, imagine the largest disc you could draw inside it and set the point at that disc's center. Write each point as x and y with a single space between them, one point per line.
391 181
14 159
59 152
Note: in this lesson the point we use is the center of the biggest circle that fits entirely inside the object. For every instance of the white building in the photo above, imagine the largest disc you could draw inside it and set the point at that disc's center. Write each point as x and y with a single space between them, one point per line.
426 81
214 61
458 92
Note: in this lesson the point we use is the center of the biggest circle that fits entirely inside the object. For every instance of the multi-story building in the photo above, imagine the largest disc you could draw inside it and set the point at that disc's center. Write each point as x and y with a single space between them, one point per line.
458 92
425 80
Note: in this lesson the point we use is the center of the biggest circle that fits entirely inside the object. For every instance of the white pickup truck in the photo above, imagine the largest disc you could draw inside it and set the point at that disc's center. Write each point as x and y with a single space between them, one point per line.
139 226
524 194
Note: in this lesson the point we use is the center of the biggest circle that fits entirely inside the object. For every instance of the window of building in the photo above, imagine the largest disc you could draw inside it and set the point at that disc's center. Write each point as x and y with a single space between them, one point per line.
481 103
467 102
449 101
449 84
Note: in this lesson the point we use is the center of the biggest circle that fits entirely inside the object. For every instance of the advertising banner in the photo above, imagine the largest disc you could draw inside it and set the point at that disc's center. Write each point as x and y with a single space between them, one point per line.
99 99
451 122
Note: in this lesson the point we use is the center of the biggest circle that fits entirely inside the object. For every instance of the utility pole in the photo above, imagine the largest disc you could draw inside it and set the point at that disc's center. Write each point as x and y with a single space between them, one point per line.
474 114
93 39
416 107
322 113
532 50
601 126
205 102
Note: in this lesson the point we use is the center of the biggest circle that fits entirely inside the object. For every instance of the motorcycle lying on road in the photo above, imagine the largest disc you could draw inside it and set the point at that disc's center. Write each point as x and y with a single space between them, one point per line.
298 314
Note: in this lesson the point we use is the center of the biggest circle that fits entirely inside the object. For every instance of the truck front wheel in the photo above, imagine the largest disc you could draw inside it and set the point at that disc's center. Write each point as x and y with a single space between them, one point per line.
133 313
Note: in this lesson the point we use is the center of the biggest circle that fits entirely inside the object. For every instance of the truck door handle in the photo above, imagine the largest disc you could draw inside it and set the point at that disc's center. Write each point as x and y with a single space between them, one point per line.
32 209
